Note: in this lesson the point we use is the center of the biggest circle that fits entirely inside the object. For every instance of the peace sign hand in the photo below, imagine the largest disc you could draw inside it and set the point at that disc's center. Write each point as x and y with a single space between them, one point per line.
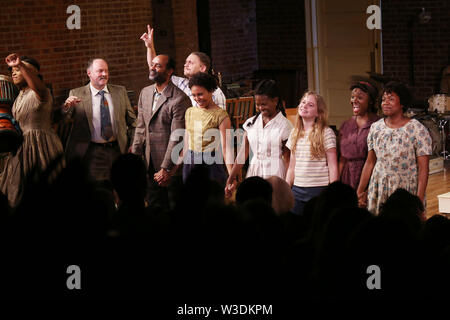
147 37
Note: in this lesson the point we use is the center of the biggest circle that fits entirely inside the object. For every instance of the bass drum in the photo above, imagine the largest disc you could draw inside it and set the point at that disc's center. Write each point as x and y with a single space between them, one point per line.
430 121
10 133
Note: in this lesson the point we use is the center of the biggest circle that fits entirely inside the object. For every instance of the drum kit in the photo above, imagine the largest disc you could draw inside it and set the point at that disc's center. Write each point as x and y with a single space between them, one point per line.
437 121
10 133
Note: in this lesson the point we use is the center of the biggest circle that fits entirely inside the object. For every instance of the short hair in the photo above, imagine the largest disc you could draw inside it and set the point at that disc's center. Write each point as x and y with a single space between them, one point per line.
170 61
400 89
91 61
282 197
254 188
204 80
204 59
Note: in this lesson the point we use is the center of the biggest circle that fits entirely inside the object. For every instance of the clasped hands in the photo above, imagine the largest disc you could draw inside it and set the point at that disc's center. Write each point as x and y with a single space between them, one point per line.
230 187
162 177
362 199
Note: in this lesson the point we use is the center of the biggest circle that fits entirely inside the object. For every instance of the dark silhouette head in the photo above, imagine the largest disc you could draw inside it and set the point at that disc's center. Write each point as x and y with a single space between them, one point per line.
129 177
254 188
404 207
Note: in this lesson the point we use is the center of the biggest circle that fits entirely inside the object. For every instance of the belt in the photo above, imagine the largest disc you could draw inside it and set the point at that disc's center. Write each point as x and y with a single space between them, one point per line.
106 144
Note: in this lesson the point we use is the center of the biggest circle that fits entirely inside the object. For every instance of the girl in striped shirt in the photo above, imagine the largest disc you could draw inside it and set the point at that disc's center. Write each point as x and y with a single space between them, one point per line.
313 162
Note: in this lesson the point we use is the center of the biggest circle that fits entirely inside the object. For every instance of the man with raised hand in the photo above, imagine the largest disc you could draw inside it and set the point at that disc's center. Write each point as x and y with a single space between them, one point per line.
103 121
195 62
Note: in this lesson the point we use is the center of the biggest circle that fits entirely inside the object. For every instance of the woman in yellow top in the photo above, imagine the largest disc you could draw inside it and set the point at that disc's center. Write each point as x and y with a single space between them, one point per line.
206 130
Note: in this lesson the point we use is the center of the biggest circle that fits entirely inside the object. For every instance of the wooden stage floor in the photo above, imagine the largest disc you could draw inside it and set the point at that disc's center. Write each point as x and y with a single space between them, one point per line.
438 183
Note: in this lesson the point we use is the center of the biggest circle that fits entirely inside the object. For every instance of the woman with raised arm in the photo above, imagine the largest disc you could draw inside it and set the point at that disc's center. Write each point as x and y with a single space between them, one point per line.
32 110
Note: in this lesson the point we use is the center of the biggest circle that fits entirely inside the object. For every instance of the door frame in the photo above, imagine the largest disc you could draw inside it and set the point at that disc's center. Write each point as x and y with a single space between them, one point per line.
312 44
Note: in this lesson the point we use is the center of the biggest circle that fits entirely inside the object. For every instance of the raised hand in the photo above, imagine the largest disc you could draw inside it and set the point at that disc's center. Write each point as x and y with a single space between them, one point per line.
71 101
147 37
12 60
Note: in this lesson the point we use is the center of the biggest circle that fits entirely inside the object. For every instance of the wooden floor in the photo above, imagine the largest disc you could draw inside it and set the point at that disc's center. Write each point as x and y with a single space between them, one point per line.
438 183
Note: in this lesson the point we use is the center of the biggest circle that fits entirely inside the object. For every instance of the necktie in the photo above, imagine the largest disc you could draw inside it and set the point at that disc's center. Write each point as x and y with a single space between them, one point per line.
105 117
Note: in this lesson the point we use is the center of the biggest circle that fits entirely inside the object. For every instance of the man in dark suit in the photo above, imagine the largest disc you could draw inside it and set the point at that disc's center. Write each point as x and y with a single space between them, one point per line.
103 122
160 124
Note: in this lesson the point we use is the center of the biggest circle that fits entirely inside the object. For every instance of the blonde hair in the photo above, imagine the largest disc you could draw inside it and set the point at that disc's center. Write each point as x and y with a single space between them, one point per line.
317 132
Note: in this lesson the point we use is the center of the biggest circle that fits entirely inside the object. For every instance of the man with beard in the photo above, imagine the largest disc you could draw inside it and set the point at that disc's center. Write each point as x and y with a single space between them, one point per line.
195 62
103 122
161 110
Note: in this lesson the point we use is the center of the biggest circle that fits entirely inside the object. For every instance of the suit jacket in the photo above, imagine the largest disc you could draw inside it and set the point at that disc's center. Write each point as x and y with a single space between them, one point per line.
154 129
80 135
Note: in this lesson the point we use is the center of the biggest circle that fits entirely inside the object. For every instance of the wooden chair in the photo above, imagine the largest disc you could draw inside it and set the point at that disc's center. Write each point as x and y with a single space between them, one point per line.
244 110
240 109
231 108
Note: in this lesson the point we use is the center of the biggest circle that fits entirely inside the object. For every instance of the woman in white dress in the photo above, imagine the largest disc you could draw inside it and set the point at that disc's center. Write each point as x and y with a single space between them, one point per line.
265 136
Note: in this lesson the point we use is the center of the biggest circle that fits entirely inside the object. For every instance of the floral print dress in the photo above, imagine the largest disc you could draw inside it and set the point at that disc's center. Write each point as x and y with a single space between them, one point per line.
396 166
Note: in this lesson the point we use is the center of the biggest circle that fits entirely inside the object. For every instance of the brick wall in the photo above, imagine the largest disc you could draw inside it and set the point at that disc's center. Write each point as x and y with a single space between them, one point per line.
431 43
38 29
264 36
246 35
233 38
282 45
185 30
163 27
281 34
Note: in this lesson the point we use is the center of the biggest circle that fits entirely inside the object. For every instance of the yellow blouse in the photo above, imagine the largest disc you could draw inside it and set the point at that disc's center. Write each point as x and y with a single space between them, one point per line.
198 122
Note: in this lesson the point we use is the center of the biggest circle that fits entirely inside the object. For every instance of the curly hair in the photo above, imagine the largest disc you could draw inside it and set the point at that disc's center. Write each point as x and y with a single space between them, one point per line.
204 80
401 90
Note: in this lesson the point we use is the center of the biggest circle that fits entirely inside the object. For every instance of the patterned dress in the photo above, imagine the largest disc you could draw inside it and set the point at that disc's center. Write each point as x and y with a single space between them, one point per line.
40 143
396 166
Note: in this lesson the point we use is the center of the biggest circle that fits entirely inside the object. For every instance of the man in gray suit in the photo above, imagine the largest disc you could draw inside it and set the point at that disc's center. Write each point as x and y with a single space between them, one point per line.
161 110
103 122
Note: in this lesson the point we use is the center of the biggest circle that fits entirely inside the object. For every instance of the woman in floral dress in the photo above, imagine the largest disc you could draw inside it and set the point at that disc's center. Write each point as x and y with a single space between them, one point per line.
399 150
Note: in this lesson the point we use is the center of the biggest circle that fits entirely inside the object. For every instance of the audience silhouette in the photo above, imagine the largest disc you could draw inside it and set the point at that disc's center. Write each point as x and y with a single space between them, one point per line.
206 247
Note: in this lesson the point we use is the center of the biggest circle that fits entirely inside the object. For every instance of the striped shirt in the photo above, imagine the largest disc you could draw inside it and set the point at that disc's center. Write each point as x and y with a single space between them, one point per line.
183 84
311 172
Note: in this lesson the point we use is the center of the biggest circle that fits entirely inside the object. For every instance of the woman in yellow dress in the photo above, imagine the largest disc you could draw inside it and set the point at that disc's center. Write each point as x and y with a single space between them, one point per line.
206 129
